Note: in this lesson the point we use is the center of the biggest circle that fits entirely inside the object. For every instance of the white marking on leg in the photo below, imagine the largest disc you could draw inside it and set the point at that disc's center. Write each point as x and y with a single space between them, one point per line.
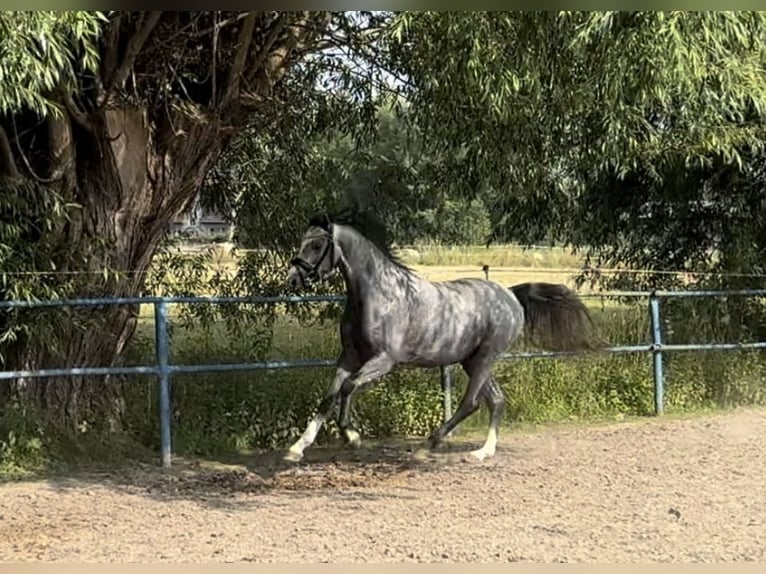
488 450
354 438
295 453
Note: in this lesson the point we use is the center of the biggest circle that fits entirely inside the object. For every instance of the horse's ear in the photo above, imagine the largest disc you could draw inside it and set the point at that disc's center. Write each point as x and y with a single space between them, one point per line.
327 221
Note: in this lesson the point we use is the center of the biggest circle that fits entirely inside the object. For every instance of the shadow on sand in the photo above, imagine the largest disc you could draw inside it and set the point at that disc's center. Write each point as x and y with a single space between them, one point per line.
376 470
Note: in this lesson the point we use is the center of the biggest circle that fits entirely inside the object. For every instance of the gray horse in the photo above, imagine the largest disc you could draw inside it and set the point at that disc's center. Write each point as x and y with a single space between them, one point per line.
392 317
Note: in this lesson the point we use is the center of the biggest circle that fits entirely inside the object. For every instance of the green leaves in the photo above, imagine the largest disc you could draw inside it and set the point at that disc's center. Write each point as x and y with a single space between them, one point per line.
605 130
609 90
40 51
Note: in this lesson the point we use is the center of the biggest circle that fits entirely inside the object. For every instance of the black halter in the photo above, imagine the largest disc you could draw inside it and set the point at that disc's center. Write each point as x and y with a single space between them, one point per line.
311 270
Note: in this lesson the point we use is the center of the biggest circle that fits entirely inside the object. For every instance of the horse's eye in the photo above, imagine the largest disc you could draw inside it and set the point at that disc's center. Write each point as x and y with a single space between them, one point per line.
316 244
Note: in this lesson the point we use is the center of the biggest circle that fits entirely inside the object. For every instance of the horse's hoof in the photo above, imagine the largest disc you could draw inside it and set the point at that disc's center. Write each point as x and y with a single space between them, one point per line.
353 438
292 456
423 454
478 455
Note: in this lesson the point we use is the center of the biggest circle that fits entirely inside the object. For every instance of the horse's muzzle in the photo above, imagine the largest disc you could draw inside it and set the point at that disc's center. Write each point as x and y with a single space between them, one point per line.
295 278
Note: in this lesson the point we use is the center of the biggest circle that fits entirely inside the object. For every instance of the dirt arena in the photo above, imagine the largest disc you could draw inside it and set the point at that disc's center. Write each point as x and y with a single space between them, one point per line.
683 490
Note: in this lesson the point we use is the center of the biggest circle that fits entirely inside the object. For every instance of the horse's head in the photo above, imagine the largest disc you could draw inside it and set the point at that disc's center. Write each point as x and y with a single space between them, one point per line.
317 256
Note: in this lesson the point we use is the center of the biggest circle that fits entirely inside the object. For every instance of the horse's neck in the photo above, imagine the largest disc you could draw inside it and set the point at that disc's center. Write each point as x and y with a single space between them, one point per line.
366 271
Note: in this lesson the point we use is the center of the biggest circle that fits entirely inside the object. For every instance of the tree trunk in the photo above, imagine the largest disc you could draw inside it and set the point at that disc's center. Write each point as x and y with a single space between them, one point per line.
131 186
69 402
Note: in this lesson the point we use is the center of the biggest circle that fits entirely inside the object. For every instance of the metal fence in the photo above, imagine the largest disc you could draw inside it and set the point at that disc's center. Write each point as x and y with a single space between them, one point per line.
163 369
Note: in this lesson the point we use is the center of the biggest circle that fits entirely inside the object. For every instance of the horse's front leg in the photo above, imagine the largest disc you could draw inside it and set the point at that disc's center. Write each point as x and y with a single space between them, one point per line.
366 376
295 453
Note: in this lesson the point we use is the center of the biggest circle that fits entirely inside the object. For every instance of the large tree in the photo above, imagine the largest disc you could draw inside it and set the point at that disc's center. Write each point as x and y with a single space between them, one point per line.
116 119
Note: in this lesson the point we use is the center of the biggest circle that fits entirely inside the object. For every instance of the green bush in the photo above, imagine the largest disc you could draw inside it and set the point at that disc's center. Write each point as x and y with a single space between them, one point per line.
455 222
27 445
22 439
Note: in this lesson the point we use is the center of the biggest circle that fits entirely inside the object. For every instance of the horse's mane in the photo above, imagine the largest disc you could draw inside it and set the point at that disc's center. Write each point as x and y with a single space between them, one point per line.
369 225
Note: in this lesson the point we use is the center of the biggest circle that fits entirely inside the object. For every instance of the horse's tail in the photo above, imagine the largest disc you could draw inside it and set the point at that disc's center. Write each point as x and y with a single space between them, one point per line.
556 319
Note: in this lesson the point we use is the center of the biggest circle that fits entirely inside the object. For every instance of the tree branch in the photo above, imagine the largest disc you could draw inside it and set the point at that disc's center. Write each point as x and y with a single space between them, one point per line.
244 39
298 35
24 157
263 53
214 89
7 161
273 63
77 114
220 25
356 48
135 43
109 61
62 165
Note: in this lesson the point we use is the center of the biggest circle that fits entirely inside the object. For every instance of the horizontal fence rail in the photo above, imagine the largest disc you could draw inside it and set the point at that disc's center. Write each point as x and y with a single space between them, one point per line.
163 369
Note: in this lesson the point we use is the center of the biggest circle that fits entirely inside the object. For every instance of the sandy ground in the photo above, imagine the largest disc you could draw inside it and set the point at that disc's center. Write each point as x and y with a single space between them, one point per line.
691 490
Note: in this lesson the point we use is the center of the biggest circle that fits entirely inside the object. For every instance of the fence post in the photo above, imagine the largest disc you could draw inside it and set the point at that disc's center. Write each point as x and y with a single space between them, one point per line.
659 383
163 376
446 380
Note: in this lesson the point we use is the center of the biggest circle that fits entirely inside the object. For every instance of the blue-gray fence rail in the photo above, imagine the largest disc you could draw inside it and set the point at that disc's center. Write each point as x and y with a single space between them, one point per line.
163 369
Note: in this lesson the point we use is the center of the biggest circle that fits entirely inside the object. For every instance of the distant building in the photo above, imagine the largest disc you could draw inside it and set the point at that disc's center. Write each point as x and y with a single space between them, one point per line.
198 221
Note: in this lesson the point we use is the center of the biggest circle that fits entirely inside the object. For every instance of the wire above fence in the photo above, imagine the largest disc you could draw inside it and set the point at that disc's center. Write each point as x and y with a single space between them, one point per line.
332 298
455 268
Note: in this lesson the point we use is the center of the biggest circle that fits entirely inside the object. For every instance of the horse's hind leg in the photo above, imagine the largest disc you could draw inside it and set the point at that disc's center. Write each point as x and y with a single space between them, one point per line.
495 399
479 375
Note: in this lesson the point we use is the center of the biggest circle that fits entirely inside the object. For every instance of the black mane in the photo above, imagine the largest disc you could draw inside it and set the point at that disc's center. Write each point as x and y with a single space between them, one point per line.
367 224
